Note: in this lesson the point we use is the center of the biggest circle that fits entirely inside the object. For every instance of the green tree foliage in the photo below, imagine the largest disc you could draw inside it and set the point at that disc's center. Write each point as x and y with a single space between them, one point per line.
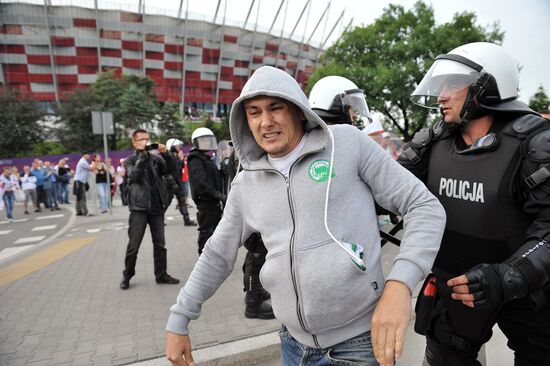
540 102
130 98
169 121
389 57
19 122
75 124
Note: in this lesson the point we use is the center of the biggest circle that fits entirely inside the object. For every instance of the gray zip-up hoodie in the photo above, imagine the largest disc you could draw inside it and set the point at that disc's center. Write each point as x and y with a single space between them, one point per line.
317 292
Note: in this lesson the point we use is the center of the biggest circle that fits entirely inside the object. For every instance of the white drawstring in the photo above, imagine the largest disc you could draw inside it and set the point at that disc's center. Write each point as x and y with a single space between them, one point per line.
351 253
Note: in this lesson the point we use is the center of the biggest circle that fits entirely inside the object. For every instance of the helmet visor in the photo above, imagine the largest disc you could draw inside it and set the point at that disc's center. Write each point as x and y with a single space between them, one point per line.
358 109
206 143
443 79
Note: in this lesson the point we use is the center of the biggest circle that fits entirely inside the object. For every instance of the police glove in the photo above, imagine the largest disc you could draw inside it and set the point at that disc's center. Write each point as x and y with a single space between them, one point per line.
494 284
524 273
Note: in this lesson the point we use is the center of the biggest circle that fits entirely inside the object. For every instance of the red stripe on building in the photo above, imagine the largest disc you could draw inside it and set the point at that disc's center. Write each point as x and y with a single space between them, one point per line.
111 52
38 59
63 41
158 38
41 78
230 39
87 70
132 63
17 49
132 45
173 65
173 48
67 79
11 29
64 60
153 55
84 23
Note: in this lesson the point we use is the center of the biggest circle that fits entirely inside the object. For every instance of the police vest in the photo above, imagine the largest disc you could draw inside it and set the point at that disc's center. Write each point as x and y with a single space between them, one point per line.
485 224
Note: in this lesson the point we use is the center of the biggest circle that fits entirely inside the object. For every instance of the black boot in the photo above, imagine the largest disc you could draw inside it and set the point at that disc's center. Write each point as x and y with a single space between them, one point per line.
187 221
255 306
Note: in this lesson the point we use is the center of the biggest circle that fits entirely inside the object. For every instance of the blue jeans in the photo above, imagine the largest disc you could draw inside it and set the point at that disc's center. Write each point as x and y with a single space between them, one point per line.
103 191
357 351
9 198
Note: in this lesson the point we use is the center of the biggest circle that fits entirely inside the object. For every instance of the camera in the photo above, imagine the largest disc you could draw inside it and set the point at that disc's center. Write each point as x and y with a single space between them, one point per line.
152 146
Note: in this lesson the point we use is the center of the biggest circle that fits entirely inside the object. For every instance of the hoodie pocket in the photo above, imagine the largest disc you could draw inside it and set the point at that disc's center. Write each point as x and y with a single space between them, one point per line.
333 291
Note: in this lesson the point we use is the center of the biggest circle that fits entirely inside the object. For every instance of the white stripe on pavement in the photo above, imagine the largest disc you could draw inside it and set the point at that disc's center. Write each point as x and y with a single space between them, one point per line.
21 220
30 239
46 227
8 252
4 232
49 217
91 231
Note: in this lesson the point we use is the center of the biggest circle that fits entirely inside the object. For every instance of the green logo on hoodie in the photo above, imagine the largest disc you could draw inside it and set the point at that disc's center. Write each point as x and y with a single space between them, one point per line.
318 170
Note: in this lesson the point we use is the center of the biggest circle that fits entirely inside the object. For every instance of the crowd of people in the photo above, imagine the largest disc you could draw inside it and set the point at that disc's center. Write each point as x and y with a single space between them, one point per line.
45 185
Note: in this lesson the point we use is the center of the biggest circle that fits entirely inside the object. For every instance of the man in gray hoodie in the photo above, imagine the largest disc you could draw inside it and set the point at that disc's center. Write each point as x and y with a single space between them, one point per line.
309 190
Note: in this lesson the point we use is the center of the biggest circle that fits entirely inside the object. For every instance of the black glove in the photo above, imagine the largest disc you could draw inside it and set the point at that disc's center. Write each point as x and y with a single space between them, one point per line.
494 284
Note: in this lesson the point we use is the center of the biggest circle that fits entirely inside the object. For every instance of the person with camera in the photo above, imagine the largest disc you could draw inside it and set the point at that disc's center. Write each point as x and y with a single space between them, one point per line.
147 201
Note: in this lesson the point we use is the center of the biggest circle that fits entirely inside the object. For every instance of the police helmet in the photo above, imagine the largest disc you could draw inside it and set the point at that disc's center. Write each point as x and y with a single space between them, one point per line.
486 69
338 100
173 144
203 139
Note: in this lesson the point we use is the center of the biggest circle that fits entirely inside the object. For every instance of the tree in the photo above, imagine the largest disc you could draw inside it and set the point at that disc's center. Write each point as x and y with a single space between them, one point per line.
389 58
169 121
19 121
129 97
540 102
75 124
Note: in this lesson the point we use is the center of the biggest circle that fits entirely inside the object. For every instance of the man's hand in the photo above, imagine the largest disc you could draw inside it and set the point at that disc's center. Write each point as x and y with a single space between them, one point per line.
488 285
178 349
162 148
389 322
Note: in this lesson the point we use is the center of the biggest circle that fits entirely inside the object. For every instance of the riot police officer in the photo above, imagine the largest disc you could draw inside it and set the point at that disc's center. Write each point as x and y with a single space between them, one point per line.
174 181
206 183
487 162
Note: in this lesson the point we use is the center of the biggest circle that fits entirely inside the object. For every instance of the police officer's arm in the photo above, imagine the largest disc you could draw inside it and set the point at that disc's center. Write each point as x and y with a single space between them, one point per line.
199 181
528 269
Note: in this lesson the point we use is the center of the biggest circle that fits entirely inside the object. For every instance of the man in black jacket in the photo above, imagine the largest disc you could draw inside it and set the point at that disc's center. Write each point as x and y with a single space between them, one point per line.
206 183
174 181
147 201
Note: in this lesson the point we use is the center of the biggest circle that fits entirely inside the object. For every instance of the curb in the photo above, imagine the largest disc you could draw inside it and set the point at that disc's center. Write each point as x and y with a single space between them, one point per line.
248 351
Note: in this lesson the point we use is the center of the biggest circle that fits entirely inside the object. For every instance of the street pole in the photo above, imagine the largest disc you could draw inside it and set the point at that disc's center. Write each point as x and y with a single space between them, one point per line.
108 172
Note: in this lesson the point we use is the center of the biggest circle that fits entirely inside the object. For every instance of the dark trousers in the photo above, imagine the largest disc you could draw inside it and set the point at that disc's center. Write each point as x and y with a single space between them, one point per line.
40 196
137 223
80 192
527 330
208 221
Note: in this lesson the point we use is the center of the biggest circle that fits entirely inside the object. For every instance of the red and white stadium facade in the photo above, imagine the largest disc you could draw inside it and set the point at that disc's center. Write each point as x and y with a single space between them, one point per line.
49 51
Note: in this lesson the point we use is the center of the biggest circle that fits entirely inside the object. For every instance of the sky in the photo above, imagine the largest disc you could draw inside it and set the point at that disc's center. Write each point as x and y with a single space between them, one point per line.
526 23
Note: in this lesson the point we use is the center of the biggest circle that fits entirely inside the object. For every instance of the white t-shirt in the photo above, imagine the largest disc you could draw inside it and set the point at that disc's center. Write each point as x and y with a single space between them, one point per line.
284 163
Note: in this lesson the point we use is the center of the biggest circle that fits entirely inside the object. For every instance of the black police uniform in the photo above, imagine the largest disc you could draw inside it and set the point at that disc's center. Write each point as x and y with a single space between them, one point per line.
496 194
256 307
206 189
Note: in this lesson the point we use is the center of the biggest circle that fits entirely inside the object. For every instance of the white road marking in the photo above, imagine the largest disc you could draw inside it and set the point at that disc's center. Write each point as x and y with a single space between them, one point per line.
49 217
4 232
46 227
170 218
91 231
8 252
29 239
20 220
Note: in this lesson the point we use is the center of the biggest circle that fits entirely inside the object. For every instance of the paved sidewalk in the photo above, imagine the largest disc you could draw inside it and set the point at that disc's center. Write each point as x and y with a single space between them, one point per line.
72 312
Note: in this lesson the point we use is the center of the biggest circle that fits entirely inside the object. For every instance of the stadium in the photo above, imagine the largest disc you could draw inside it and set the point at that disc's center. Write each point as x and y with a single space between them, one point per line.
48 50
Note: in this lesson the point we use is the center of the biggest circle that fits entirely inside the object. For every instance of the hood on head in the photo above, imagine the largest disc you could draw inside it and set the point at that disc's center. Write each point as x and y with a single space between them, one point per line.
273 82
